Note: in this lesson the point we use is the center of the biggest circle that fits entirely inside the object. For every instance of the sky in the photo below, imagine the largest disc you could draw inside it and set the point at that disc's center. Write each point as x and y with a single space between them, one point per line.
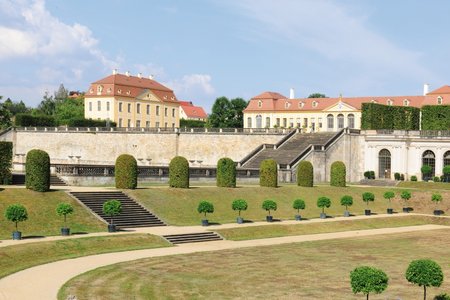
204 49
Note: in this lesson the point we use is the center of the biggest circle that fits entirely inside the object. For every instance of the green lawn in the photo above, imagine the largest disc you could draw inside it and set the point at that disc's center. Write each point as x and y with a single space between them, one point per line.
179 206
269 231
42 217
424 185
16 258
309 270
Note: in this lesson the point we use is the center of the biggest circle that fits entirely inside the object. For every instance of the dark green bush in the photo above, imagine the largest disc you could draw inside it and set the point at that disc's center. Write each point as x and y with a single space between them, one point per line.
338 174
369 174
226 172
305 174
446 172
5 162
27 120
192 123
37 171
414 178
442 296
397 176
436 117
112 208
205 207
16 213
378 116
372 174
368 280
179 172
268 173
89 123
426 172
402 177
269 205
436 179
126 172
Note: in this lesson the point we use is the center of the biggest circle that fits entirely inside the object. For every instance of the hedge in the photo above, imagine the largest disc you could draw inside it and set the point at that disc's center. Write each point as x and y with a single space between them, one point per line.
268 173
378 116
37 171
126 172
179 172
89 123
305 174
5 162
436 117
27 120
192 123
338 174
226 172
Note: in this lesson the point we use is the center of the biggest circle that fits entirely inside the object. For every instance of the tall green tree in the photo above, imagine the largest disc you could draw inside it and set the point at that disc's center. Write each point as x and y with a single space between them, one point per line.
227 113
5 116
237 107
317 95
16 107
47 106
69 109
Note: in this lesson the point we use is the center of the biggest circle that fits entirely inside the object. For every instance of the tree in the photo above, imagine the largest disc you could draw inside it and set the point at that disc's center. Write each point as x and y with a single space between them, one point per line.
69 109
346 201
226 113
237 107
239 204
64 209
405 195
112 208
47 106
5 116
368 197
424 272
368 280
269 205
205 207
389 195
16 213
323 202
298 204
16 107
436 198
317 95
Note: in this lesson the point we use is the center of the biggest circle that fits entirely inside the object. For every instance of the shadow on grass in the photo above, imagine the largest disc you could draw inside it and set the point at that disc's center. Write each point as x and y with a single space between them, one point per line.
30 237
214 223
248 221
79 233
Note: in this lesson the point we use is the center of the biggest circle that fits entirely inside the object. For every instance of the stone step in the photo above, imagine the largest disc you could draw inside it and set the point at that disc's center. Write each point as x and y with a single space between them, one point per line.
193 237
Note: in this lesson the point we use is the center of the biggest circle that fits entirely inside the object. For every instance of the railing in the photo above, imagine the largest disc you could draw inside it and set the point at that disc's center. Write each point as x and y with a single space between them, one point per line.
251 154
415 133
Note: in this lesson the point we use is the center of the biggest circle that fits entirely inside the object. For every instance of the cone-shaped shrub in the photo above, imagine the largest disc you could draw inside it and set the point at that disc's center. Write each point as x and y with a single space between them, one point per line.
5 162
179 172
338 174
305 174
126 172
226 172
37 171
268 173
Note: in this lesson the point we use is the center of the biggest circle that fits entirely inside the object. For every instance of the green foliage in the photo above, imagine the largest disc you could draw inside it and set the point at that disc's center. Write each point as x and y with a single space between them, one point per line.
5 162
268 173
192 123
346 201
389 195
82 122
397 176
269 205
368 197
179 172
305 174
323 202
436 179
227 114
69 109
37 171
27 120
298 204
446 170
16 107
424 272
64 209
239 204
436 198
126 172
16 213
205 207
414 178
338 174
368 280
442 296
378 116
426 169
112 208
5 116
317 95
405 195
226 172
435 117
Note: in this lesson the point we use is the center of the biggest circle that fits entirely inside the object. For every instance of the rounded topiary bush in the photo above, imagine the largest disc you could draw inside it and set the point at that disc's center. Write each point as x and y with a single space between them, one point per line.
268 173
179 172
37 171
305 174
226 172
126 172
338 174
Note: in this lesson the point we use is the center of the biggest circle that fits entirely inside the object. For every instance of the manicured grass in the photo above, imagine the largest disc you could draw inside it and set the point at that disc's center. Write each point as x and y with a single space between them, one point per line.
179 206
42 217
16 258
269 231
309 270
424 185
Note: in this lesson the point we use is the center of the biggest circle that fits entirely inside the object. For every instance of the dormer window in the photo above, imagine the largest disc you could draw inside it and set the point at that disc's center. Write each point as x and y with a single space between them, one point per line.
91 91
301 104
165 97
172 98
287 105
128 92
99 88
109 90
406 102
314 104
389 102
119 91
439 100
259 103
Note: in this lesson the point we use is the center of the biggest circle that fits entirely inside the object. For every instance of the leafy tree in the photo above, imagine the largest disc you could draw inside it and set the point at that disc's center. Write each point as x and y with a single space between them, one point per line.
368 197
323 202
64 209
239 204
405 195
226 113
269 205
16 213
68 109
436 198
298 204
16 107
346 201
368 280
237 107
389 195
317 95
424 272
47 106
205 207
112 208
5 116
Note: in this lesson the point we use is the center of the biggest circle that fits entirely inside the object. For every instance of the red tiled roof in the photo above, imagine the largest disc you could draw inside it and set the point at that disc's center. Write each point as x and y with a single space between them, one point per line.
269 95
186 103
442 90
194 112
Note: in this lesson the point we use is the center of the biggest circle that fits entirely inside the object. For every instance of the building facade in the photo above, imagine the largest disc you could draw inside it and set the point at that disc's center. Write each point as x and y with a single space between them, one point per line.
189 111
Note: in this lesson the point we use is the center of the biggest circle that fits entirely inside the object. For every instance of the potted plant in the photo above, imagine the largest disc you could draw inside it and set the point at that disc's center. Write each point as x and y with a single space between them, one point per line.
389 195
16 213
64 209
323 202
112 208
405 195
239 204
346 201
298 204
436 198
368 197
426 172
205 207
269 205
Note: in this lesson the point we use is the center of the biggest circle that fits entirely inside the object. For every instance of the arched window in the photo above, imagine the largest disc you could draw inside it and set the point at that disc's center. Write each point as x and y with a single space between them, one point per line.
439 100
351 121
384 164
429 159
249 122
447 158
258 121
340 121
330 122
267 122
260 103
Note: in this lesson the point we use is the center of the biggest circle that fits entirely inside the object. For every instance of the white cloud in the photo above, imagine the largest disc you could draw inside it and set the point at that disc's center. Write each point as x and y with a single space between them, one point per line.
193 84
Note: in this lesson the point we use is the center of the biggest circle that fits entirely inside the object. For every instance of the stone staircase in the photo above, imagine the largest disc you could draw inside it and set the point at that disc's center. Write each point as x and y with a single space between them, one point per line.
193 237
290 149
19 179
133 214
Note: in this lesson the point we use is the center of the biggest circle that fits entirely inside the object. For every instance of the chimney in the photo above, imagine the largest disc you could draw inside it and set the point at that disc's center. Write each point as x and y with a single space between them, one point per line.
114 71
140 75
291 93
426 89
151 77
127 73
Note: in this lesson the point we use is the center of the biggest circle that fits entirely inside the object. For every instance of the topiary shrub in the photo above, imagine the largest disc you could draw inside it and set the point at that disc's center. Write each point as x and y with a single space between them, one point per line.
37 171
126 172
368 280
205 207
367 174
268 173
269 205
424 272
16 213
402 177
372 174
179 172
436 179
338 174
426 172
414 178
442 296
112 208
446 172
397 176
5 162
305 174
239 205
226 173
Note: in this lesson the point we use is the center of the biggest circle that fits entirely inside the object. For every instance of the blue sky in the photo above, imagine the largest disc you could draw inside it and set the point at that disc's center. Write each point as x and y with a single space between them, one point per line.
204 49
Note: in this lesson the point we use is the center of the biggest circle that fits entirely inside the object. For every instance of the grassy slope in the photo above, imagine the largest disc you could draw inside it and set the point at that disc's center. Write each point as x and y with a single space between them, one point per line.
179 206
310 270
42 217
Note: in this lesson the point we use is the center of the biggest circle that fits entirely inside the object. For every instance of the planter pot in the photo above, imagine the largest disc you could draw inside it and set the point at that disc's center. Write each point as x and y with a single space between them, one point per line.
205 223
405 210
298 218
346 213
269 218
367 212
437 212
240 220
390 211
17 235
65 231
112 228
323 215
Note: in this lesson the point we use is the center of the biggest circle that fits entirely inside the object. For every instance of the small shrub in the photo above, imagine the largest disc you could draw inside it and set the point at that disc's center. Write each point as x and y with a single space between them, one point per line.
298 204
405 195
239 204
37 171
205 207
368 197
64 209
126 172
414 178
368 280
436 179
338 174
226 173
442 296
179 172
367 174
402 177
346 201
269 205
323 202
268 173
112 208
16 213
389 195
426 172
397 176
372 174
436 198
424 272
305 174
446 172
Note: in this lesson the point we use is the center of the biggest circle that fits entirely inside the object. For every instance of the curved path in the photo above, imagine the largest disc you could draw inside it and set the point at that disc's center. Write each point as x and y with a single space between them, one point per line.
44 281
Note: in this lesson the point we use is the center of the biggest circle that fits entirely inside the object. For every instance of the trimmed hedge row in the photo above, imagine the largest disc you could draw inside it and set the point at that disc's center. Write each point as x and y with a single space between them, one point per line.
305 174
37 171
338 174
26 120
90 123
268 173
126 172
179 172
378 116
226 172
436 117
5 162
